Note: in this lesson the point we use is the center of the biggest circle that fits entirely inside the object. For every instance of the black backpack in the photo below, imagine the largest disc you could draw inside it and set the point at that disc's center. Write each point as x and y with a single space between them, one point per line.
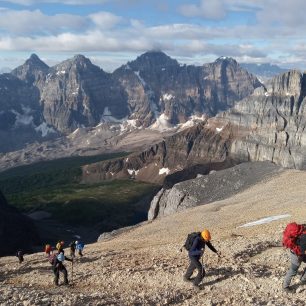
189 240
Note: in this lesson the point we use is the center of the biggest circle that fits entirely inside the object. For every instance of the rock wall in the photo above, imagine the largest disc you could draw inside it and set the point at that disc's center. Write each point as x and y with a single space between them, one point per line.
275 118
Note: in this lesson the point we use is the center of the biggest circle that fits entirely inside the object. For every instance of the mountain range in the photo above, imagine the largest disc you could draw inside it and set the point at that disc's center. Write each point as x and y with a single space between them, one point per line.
38 102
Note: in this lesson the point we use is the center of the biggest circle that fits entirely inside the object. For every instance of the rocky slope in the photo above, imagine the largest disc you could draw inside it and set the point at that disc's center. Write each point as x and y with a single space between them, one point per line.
200 148
16 230
143 266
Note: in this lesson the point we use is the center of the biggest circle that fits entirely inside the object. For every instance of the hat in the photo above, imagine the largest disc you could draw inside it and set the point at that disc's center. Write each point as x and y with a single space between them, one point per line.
206 235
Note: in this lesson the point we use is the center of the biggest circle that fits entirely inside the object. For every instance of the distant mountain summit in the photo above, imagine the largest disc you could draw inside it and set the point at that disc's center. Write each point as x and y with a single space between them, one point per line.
33 71
264 71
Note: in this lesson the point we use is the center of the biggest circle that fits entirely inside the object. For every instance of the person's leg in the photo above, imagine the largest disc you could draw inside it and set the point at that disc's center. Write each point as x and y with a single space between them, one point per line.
190 270
201 272
64 270
56 276
294 266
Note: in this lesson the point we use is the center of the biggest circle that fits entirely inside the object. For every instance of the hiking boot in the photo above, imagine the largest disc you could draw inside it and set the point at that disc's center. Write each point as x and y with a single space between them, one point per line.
288 290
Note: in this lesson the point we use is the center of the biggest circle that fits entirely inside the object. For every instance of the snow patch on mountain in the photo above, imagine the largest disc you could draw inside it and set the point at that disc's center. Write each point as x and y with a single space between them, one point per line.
44 129
192 121
162 123
265 220
164 171
132 171
167 97
22 119
142 81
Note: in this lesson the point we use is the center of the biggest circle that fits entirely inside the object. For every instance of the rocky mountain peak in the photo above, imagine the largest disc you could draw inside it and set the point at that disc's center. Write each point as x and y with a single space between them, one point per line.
226 60
288 83
78 61
32 71
152 59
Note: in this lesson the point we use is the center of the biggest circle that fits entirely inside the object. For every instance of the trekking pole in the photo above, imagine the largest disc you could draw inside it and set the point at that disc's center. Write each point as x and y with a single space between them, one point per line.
72 273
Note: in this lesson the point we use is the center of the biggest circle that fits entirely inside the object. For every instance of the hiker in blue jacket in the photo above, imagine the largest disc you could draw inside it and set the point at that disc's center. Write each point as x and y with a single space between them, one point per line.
195 253
58 266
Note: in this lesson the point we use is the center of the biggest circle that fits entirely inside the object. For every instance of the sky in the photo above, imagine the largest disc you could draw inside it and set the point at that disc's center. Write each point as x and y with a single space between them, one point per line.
112 32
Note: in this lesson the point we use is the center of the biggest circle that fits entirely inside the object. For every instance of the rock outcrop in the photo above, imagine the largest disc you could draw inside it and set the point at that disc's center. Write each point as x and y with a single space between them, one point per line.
16 230
205 189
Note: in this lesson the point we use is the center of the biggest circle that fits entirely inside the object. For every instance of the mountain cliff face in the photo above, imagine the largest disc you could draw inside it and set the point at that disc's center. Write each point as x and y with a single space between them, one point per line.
275 119
16 230
78 93
20 113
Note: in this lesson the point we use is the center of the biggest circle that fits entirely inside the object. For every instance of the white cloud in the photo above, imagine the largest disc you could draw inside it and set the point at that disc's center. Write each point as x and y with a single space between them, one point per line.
105 20
33 22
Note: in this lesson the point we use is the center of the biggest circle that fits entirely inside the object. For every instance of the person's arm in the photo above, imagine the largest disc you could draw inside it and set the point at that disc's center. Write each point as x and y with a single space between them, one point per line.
208 243
69 259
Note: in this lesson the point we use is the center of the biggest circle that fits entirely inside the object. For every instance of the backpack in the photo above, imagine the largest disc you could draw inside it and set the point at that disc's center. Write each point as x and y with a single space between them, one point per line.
189 240
52 258
291 235
80 246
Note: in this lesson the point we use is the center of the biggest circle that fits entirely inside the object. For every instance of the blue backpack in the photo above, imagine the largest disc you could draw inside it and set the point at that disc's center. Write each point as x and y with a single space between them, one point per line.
80 246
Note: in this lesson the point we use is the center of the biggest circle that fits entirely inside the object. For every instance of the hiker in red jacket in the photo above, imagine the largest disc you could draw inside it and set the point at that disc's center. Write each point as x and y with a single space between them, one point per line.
294 238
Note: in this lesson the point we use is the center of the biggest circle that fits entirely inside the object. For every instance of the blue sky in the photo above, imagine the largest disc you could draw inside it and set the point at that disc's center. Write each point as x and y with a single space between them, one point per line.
112 32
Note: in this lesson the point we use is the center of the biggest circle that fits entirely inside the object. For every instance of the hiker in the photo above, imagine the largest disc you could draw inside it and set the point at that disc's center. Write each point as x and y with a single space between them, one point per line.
79 247
196 247
58 266
48 249
72 247
19 254
60 246
294 238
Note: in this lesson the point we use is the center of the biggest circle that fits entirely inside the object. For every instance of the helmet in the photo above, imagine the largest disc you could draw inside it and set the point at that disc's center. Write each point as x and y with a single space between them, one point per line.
60 257
206 235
